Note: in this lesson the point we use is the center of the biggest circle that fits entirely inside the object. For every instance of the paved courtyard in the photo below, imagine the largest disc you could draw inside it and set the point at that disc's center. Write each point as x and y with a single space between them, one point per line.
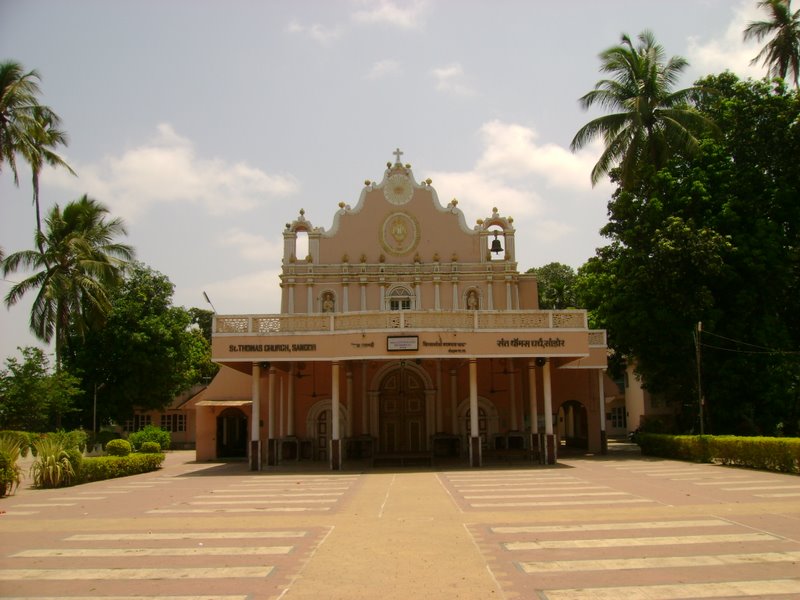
614 527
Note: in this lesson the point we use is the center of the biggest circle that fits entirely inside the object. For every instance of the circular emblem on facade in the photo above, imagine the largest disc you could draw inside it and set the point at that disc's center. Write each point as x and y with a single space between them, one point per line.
398 189
399 234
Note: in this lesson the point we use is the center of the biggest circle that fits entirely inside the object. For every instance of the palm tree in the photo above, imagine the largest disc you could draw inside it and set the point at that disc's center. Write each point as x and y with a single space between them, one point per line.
79 266
18 98
782 53
654 121
27 128
43 137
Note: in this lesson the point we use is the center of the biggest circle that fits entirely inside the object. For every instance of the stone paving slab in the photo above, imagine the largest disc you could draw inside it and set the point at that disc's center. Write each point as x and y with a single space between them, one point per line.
619 526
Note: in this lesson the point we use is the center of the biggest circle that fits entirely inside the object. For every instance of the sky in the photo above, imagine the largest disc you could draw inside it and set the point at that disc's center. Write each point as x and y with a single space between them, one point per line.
207 125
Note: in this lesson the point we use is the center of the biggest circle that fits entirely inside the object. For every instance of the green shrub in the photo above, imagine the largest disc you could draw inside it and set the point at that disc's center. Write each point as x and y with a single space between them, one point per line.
771 454
150 433
104 436
54 464
99 468
22 437
118 447
150 448
10 477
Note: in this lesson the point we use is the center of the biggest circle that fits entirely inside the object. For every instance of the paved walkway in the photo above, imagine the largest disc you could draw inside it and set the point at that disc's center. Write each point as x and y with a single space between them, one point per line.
619 526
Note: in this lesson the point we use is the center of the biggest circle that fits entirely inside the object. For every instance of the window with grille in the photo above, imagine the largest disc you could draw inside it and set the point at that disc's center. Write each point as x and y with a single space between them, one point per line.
618 419
175 422
137 422
400 298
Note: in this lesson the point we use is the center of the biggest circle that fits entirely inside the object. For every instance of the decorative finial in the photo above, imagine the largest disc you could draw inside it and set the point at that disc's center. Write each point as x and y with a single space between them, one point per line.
341 205
397 153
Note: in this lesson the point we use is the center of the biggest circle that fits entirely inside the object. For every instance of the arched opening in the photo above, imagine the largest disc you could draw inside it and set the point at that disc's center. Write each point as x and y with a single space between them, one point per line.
400 298
301 250
319 426
488 419
402 414
573 424
232 434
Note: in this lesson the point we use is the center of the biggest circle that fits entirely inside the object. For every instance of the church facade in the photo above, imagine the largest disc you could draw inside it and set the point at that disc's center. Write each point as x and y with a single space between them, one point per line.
404 335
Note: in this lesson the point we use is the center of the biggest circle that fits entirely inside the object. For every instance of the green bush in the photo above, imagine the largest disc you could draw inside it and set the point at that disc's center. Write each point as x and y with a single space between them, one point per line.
150 448
22 437
55 463
771 454
118 447
10 477
105 436
150 433
99 468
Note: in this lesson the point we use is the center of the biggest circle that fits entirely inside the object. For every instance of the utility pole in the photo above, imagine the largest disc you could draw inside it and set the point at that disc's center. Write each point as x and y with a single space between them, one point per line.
696 334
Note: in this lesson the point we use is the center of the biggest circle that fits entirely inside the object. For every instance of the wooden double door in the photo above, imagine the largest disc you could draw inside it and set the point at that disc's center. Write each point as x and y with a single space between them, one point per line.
402 414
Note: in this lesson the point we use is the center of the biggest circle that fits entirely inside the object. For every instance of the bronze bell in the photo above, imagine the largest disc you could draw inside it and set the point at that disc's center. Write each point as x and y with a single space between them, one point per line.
496 247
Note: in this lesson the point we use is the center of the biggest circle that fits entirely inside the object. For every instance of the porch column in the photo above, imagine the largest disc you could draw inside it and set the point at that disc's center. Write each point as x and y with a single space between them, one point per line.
271 442
437 301
439 423
365 430
290 401
534 408
336 443
255 437
601 400
453 401
550 449
349 400
512 394
474 432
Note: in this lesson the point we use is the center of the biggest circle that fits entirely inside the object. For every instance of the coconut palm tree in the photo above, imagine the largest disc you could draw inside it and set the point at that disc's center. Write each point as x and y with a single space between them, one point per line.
18 98
27 128
80 264
653 121
39 149
782 53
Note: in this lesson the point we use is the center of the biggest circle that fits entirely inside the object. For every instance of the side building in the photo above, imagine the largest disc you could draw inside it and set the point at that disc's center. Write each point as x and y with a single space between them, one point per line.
403 334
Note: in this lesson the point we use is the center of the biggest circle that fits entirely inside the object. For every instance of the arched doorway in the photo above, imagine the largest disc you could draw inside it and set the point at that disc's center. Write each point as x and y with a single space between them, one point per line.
319 426
573 424
488 419
231 434
402 413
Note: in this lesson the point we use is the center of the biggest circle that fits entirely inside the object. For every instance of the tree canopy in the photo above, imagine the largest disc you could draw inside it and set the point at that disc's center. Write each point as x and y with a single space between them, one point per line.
79 263
148 352
781 55
714 240
653 121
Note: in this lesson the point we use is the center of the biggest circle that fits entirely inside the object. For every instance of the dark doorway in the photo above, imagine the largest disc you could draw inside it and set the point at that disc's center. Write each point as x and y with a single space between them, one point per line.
231 434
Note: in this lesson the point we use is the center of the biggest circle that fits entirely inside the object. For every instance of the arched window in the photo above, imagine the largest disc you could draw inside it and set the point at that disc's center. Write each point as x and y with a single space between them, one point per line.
400 298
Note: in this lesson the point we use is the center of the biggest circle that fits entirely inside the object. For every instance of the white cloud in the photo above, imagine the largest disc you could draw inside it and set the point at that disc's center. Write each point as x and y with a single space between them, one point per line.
167 169
249 246
730 51
384 68
317 32
511 150
477 190
450 79
386 12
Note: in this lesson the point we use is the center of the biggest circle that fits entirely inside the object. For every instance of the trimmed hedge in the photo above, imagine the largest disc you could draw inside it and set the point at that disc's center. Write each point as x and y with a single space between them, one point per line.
766 453
99 468
118 447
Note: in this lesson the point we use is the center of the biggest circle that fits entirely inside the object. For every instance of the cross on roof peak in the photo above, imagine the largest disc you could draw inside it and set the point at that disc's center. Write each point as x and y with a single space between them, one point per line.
398 153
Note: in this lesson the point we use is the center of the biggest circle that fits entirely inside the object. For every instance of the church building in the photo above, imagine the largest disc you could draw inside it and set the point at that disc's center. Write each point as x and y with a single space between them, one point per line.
405 337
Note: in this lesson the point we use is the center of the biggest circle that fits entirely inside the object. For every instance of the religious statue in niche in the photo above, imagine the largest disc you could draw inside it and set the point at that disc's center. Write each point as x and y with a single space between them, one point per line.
327 302
472 300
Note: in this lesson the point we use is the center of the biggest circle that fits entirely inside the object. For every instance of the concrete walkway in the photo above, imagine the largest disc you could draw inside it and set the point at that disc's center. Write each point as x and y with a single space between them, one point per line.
619 526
